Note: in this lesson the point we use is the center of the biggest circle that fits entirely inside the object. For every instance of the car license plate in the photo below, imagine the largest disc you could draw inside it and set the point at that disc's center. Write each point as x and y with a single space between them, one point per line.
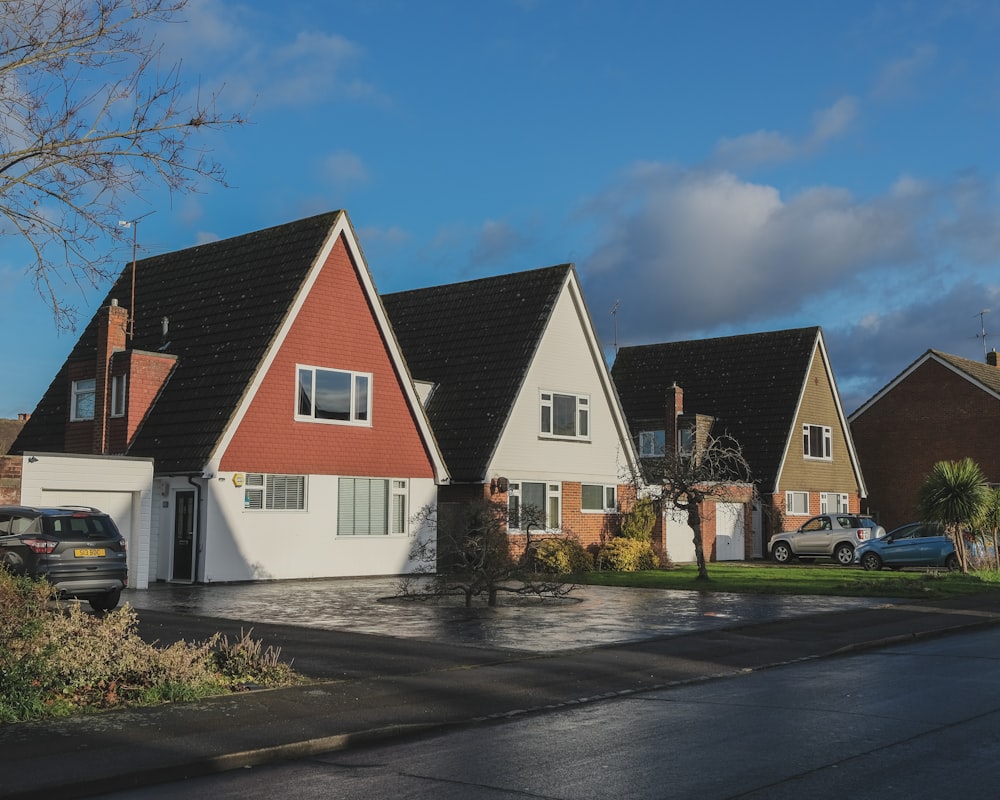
89 552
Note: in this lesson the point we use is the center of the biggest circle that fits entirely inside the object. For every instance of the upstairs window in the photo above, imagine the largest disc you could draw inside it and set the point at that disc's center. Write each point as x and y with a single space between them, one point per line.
598 498
84 394
332 395
118 396
565 415
817 442
652 444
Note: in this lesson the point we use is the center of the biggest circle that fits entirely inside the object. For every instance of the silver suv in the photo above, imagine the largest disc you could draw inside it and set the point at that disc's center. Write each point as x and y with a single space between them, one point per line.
825 536
77 549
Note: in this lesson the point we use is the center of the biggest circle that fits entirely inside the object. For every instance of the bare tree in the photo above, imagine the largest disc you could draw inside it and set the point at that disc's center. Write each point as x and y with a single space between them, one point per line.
471 554
714 469
89 119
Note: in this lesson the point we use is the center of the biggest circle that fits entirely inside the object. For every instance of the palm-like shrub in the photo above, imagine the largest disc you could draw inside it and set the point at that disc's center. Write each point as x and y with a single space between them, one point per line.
954 494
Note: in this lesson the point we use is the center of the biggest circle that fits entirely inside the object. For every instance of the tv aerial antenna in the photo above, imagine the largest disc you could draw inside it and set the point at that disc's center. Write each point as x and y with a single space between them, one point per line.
134 225
982 328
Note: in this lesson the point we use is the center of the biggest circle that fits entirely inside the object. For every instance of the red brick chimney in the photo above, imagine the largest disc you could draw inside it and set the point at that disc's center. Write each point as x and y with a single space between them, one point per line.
991 358
674 408
111 328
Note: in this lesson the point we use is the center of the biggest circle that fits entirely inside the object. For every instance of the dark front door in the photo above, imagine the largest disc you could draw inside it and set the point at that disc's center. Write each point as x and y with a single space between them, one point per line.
184 516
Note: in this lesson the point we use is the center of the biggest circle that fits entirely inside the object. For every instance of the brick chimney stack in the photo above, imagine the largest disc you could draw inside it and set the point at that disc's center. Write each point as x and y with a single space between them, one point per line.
674 408
991 358
111 330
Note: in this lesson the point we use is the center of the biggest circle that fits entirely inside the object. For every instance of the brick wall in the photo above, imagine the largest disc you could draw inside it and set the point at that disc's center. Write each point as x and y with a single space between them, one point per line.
10 480
931 415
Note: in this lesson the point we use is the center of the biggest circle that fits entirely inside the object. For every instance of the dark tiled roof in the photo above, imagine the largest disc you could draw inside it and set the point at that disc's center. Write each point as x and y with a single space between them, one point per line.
475 341
225 302
986 374
750 384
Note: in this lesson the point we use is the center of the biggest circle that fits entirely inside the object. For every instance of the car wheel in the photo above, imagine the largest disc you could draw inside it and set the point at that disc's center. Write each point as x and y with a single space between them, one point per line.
844 555
871 562
781 553
951 562
106 602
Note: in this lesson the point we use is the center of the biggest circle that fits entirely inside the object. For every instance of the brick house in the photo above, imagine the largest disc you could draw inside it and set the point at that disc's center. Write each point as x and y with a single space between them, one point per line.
940 408
774 393
520 398
261 376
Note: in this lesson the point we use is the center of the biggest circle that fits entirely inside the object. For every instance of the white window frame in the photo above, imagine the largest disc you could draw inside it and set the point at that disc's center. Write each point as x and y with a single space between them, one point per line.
834 503
390 517
79 391
609 498
119 385
265 491
360 409
827 446
552 501
652 444
790 503
547 414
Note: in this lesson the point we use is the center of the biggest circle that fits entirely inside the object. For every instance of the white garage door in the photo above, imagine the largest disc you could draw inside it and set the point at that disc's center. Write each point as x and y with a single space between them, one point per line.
118 505
680 537
729 536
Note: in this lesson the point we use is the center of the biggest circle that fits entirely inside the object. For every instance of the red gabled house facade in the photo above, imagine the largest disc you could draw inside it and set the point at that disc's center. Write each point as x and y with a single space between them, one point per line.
262 377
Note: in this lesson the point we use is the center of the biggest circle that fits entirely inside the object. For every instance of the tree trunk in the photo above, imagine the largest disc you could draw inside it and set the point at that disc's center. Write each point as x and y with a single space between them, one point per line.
694 521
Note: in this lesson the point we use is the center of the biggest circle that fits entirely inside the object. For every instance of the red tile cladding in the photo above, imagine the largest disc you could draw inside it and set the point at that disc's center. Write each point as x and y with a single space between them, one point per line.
334 328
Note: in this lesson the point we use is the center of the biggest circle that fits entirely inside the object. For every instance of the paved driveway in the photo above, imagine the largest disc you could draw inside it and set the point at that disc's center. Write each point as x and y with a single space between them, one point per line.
591 615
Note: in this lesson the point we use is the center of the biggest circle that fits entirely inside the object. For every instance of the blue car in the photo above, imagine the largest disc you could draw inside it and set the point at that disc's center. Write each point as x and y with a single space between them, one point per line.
918 544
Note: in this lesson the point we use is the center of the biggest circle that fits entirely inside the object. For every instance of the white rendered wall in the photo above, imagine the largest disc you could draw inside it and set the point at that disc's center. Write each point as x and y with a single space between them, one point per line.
235 544
564 363
119 485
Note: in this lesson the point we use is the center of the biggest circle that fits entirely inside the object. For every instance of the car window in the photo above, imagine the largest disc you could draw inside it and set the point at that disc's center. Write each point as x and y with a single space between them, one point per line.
817 524
23 525
846 522
4 523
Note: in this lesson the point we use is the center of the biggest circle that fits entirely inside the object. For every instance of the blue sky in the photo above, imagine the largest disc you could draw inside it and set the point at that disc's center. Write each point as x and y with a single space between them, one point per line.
718 167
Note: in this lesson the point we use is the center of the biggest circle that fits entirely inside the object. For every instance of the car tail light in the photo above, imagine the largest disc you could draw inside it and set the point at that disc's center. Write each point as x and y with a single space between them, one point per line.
862 534
42 546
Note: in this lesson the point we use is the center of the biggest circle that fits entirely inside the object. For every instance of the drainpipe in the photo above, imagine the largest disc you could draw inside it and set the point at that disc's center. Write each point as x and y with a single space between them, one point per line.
197 524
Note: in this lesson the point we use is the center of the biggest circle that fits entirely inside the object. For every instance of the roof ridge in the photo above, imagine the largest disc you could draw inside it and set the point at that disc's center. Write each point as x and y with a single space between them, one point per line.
565 267
730 337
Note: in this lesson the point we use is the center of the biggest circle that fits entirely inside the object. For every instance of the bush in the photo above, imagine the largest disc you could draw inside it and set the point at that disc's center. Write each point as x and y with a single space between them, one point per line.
56 659
626 555
559 555
638 522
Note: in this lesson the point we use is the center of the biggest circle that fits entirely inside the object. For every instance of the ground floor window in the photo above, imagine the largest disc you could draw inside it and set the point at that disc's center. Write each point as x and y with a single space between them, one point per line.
534 504
796 502
264 492
372 506
833 503
598 498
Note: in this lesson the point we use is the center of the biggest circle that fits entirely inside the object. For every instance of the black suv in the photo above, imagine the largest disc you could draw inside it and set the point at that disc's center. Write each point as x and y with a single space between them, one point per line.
77 549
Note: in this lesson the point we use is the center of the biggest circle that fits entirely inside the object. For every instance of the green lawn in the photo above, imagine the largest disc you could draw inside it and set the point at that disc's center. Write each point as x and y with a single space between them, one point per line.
821 579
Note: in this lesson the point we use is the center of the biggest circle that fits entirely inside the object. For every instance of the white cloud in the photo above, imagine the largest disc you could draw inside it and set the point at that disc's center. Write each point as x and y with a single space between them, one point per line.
696 249
771 147
898 79
260 65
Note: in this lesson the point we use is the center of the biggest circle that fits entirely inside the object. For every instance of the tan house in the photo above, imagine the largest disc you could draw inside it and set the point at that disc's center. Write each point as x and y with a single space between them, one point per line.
775 394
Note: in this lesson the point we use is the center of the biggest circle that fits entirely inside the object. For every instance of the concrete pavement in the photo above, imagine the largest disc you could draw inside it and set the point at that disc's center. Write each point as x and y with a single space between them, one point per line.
372 687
